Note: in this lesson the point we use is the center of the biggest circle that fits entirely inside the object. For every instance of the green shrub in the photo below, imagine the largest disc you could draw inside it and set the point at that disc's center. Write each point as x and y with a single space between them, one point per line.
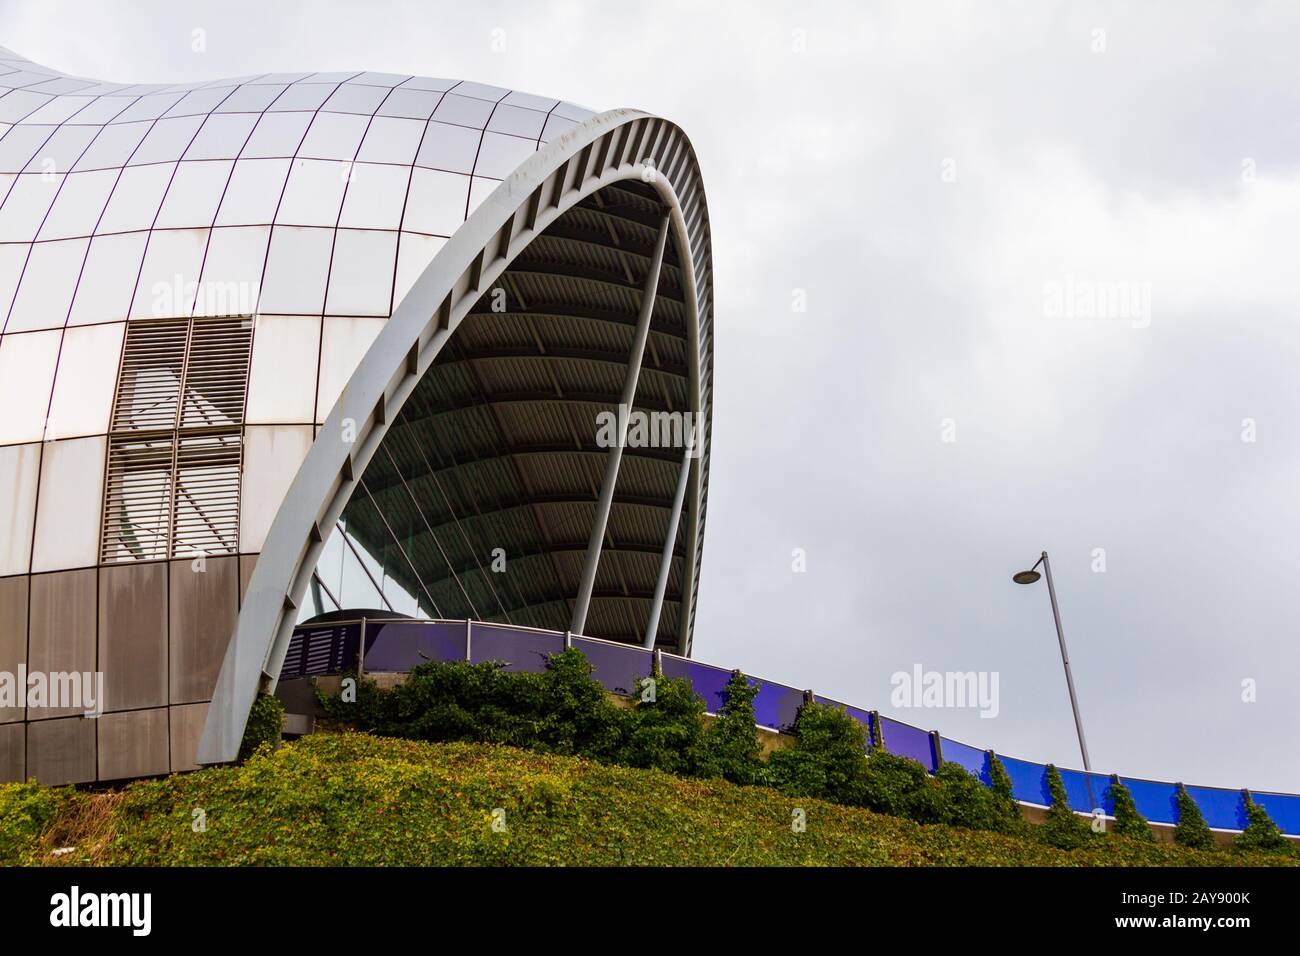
665 728
265 725
1128 822
828 759
898 786
1063 829
1261 832
1191 829
964 801
731 749
26 809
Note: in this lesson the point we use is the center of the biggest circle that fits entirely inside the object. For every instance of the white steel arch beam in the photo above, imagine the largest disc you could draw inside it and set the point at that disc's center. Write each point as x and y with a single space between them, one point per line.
612 147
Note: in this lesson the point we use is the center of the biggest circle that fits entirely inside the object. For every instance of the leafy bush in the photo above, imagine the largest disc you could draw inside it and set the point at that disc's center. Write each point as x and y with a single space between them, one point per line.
966 802
265 725
26 809
1128 822
828 760
1191 829
898 786
731 749
1261 832
665 728
1063 829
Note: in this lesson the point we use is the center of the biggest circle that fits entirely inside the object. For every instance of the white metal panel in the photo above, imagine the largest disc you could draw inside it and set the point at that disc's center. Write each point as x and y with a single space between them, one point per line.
68 509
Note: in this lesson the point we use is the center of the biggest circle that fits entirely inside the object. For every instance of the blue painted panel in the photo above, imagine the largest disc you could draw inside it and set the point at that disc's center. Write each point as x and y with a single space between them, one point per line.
907 741
397 647
521 650
1084 791
1224 809
1153 799
1283 809
1028 780
709 682
616 667
775 705
972 758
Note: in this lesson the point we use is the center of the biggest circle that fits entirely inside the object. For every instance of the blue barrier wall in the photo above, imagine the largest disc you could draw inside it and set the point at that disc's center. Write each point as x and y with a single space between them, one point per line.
397 646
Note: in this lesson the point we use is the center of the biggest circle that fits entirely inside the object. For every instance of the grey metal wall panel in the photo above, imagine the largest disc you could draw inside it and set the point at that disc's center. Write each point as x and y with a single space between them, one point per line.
133 744
61 751
204 607
133 635
62 628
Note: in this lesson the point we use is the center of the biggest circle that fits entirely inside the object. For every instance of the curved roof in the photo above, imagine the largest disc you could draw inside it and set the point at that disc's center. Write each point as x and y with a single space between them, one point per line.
319 205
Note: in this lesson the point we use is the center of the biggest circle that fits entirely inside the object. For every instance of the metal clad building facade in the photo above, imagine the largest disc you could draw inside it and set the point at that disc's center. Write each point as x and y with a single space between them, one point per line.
362 324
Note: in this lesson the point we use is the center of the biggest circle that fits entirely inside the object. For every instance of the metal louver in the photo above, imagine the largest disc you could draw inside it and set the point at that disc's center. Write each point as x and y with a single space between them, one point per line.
175 447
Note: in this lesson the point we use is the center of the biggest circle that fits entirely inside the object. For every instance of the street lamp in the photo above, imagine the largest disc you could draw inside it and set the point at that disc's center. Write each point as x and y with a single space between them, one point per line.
1030 577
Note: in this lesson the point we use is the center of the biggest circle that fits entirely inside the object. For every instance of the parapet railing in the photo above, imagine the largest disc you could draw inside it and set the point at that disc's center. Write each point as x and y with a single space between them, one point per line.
396 646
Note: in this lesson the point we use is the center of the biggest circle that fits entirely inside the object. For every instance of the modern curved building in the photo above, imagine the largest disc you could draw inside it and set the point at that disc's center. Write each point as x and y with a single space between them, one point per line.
286 345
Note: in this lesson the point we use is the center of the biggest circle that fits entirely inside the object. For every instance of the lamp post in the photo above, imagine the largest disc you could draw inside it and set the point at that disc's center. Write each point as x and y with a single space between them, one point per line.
1029 577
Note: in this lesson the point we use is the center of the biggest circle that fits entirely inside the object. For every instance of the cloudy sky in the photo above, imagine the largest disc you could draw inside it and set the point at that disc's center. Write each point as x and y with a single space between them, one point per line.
946 187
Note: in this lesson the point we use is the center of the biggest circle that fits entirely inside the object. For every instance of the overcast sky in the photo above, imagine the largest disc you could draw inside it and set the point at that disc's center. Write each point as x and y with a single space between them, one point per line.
928 177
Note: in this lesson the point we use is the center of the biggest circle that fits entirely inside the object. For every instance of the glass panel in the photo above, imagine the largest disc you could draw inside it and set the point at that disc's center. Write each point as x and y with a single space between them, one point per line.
1283 808
68 508
775 705
27 364
361 274
19 470
521 650
45 295
1083 791
615 667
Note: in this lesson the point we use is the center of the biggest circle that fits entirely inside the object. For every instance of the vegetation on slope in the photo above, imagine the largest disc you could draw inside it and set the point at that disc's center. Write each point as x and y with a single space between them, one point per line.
358 799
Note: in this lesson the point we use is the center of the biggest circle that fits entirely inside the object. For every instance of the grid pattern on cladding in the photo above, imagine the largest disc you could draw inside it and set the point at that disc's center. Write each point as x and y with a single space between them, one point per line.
312 201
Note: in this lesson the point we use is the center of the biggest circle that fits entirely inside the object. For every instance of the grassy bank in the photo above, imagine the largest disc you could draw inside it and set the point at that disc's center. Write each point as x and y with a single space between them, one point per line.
358 799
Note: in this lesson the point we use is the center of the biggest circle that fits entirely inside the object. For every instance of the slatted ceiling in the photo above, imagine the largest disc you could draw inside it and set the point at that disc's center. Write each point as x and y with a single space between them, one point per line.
497 445
175 448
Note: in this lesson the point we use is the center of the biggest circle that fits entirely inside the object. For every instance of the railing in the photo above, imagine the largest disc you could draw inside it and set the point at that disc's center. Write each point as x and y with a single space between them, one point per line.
399 645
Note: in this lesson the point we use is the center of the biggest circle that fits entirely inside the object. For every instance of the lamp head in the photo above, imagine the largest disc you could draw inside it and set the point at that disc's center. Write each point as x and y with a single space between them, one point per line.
1026 577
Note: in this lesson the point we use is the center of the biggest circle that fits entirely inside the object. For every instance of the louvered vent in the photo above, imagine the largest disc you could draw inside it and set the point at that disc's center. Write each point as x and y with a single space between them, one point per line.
174 451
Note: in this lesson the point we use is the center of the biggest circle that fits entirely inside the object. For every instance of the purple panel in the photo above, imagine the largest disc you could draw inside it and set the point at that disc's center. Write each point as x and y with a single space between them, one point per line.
1224 809
1283 809
398 646
709 682
521 650
974 760
775 705
329 649
861 716
616 667
905 740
